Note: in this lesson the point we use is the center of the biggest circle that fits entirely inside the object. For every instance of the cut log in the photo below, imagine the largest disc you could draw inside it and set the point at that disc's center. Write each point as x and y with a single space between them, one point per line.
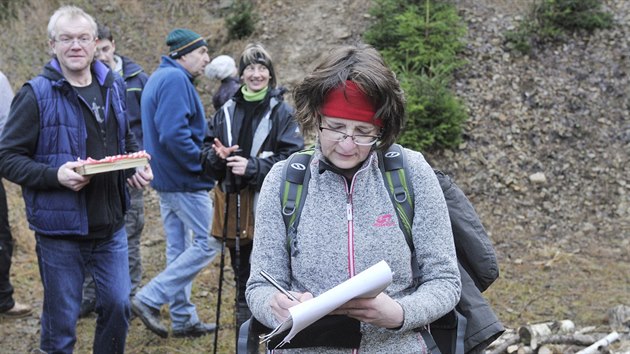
572 339
512 348
552 349
532 332
503 347
547 349
602 343
507 335
563 327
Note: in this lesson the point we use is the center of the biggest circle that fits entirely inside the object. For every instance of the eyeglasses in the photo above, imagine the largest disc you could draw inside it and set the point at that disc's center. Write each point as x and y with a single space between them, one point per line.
68 41
337 136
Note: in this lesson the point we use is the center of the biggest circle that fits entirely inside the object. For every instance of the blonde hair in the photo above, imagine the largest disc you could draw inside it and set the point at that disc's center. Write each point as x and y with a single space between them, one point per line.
70 12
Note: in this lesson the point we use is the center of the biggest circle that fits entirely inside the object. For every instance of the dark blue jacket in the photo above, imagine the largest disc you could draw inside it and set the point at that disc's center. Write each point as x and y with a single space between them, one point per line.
135 79
228 88
31 157
174 125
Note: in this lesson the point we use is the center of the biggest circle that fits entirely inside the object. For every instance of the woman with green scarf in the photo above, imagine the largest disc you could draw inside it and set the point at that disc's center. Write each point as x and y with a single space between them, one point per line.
251 132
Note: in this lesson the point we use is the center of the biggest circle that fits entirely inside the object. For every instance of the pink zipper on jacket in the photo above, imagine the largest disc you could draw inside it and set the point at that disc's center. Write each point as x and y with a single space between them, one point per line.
350 219
350 216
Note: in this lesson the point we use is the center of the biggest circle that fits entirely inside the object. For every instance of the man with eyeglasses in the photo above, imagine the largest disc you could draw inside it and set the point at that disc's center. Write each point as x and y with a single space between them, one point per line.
73 110
135 79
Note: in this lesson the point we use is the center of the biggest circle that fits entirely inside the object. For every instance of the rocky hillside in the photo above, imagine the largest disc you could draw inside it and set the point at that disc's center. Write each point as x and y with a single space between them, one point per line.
546 162
546 151
545 157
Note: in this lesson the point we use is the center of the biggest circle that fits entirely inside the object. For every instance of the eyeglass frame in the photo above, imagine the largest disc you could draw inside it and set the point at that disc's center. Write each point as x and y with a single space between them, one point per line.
78 40
344 136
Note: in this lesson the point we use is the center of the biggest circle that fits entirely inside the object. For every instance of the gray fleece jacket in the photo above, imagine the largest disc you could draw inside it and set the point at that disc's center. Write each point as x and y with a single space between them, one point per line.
345 229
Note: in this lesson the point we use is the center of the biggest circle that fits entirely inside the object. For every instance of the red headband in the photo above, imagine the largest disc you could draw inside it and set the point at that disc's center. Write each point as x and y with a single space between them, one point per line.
350 102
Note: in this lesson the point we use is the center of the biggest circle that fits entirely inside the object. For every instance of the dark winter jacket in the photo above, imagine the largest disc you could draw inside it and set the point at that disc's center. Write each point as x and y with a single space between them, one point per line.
275 139
135 79
49 125
478 268
229 86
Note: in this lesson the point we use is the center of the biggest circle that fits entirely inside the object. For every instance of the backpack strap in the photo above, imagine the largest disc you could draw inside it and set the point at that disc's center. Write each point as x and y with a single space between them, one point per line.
429 341
393 165
295 176
394 168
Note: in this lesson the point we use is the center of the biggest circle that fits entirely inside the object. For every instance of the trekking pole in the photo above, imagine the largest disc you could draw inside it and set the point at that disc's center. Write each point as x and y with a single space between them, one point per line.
222 263
237 263
237 248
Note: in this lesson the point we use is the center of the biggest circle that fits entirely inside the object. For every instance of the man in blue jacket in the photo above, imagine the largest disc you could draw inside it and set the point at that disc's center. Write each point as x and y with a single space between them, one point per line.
174 124
135 79
74 110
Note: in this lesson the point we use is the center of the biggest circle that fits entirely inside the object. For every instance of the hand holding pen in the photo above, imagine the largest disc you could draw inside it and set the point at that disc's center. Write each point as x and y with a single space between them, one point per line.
283 300
273 282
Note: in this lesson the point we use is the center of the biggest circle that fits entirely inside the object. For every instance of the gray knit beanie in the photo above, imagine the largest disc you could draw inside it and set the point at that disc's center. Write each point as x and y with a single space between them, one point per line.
221 67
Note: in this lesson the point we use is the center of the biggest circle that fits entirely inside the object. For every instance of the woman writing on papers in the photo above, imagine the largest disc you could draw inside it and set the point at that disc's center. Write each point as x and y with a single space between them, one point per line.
348 222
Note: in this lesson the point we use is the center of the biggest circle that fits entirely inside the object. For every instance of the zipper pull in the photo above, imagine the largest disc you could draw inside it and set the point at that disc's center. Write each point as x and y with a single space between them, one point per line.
349 211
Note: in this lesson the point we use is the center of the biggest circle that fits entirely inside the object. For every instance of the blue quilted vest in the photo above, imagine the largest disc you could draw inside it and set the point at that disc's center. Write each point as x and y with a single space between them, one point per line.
62 138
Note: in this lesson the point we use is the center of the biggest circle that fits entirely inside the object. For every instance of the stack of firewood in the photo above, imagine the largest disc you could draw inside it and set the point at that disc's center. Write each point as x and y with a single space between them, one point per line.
559 337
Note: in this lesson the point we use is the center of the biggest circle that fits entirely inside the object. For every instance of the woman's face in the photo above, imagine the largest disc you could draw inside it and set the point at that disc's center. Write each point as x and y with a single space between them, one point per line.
345 154
256 77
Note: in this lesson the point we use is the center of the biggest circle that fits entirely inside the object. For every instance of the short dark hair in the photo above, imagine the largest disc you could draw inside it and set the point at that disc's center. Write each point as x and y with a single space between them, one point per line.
363 65
104 32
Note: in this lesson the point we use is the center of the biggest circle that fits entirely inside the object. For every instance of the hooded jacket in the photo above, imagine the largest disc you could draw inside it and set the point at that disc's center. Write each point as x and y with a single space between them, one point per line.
135 79
344 229
229 86
274 140
47 128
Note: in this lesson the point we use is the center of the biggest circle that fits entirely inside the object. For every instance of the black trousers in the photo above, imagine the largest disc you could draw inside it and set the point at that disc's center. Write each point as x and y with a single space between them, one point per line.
243 269
6 251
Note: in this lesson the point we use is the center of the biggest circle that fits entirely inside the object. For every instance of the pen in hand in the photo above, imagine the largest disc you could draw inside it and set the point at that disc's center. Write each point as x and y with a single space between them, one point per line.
273 282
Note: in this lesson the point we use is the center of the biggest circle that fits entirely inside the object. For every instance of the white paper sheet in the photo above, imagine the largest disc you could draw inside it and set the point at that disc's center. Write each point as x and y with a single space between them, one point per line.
366 284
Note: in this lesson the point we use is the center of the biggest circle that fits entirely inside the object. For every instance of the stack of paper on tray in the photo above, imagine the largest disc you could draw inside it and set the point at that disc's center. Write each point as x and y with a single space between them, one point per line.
123 164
